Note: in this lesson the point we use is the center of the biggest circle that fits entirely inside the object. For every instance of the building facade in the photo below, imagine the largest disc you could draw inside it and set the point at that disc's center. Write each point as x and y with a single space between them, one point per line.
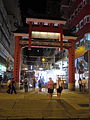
7 26
79 22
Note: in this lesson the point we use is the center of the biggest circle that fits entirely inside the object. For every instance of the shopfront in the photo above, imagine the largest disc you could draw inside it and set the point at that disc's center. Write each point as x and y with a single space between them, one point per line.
2 69
81 61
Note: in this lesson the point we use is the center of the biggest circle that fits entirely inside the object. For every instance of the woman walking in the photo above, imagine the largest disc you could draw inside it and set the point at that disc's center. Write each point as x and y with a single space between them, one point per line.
59 86
50 84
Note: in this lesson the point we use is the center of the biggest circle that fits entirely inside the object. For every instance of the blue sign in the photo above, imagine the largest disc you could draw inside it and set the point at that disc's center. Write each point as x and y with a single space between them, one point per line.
87 41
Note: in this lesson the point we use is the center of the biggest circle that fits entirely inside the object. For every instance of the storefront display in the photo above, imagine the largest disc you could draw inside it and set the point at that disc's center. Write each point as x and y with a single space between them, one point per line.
2 70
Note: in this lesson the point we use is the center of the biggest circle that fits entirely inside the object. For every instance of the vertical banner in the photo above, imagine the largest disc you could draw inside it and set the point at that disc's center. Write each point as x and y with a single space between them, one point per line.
87 45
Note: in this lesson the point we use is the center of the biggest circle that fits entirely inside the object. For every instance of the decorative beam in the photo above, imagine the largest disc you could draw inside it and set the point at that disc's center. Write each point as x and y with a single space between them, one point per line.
45 21
46 29
27 35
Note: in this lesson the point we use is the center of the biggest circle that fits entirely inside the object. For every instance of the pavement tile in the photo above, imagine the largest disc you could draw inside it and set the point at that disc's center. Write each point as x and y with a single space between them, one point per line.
36 105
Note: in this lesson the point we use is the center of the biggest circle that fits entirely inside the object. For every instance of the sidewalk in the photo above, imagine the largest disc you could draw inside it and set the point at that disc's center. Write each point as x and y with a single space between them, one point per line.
35 105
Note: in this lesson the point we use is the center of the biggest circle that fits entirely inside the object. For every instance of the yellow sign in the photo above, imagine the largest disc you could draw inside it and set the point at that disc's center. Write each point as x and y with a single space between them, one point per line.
80 51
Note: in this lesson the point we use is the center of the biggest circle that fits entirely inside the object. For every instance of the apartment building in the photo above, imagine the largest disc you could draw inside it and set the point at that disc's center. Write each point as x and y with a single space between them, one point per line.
9 21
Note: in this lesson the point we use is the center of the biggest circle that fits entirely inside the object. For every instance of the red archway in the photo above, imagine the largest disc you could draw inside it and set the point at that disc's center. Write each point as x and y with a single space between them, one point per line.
49 26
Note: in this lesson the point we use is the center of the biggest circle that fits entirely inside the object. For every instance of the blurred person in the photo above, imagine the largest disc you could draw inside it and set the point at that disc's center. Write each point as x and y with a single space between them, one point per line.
80 84
40 85
13 86
34 82
26 84
59 87
50 86
9 86
0 80
84 82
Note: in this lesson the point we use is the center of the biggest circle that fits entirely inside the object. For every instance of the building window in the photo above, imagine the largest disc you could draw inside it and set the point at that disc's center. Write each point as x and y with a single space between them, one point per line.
88 19
85 20
77 45
77 28
81 24
82 42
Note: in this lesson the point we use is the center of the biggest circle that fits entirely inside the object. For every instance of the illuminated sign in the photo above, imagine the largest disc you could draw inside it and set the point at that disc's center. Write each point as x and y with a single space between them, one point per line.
2 68
87 41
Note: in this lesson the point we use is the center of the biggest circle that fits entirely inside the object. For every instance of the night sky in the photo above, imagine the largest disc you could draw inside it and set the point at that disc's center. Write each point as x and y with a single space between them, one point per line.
30 7
35 5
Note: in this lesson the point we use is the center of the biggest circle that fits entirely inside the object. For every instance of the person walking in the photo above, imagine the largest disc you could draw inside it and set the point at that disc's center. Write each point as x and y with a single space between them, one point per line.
40 85
0 80
84 82
59 87
13 86
9 86
34 82
26 85
50 86
80 84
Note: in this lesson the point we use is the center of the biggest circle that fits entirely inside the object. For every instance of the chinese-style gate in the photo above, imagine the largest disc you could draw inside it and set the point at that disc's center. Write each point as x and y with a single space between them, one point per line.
49 26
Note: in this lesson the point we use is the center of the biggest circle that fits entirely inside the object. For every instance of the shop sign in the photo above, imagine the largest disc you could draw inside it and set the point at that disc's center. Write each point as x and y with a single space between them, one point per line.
2 68
87 41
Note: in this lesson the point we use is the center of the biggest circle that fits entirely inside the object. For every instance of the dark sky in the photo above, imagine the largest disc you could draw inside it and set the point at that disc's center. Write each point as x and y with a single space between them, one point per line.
35 5
29 7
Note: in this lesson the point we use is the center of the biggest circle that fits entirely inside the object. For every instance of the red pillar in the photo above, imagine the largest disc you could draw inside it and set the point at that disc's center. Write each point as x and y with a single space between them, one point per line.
61 36
17 53
71 66
30 35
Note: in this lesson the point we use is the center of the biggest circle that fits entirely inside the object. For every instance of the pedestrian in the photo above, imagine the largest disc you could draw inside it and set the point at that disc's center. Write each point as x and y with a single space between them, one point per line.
26 85
59 87
40 85
50 86
34 82
0 80
13 86
9 86
80 84
84 82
